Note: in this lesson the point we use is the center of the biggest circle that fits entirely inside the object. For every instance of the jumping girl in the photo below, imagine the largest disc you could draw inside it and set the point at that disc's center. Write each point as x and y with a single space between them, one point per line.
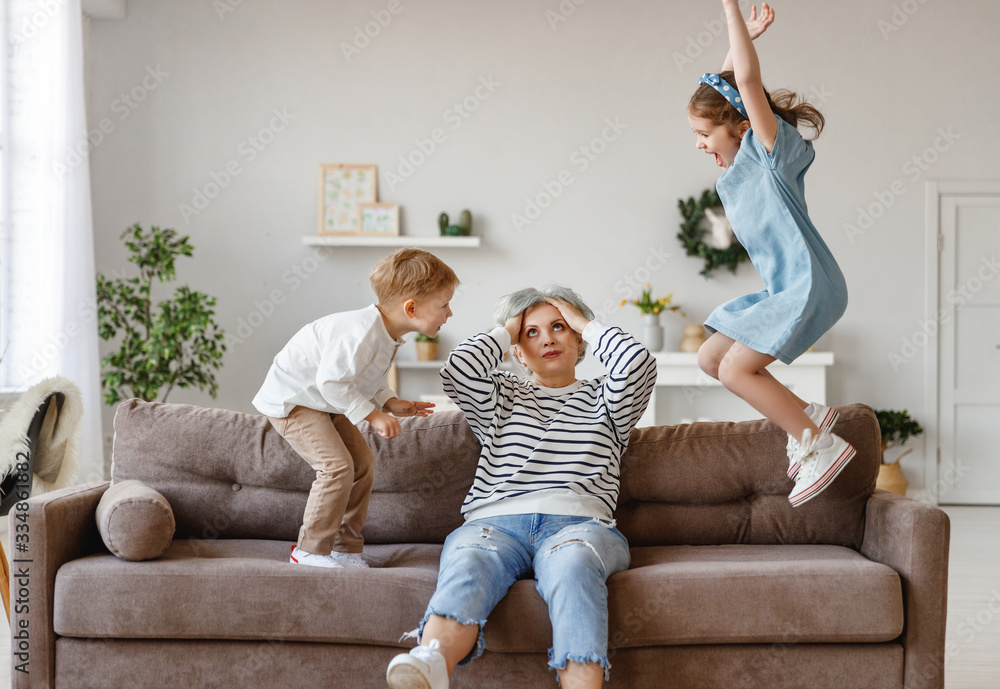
752 135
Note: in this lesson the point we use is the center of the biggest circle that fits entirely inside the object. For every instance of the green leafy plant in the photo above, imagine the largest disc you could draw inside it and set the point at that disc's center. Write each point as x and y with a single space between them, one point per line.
420 337
174 343
897 427
692 235
648 305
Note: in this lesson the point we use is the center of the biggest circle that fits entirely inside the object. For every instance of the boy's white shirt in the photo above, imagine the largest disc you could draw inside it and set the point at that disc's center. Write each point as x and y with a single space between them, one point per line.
336 364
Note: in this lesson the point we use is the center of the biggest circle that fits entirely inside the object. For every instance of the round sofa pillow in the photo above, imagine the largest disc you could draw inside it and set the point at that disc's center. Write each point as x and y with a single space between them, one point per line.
135 521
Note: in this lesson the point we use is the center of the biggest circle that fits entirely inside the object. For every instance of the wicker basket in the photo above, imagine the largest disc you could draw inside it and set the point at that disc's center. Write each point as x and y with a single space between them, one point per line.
890 477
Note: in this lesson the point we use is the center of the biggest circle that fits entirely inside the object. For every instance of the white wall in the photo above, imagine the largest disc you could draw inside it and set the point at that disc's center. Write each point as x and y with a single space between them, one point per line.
223 75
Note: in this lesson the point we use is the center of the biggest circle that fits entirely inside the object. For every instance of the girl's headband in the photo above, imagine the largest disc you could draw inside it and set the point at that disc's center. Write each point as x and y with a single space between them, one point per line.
727 91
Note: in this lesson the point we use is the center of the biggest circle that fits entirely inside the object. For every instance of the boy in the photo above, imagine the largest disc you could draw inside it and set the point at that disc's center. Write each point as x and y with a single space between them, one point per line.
331 376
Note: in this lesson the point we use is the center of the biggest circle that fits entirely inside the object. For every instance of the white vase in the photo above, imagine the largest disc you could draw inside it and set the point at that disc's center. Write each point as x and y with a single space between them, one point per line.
652 332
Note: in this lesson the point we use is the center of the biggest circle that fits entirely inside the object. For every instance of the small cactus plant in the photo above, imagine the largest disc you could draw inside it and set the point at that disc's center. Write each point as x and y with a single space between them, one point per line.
465 222
462 229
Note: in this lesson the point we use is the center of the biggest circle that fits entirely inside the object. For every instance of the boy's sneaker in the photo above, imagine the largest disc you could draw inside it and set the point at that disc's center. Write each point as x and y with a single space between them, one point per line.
422 668
301 557
822 458
824 417
349 560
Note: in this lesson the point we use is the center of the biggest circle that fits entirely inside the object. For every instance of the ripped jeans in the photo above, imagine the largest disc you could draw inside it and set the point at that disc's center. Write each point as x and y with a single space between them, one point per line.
571 557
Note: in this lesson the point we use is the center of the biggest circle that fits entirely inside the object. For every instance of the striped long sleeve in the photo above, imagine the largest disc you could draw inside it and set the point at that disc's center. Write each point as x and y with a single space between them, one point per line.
554 451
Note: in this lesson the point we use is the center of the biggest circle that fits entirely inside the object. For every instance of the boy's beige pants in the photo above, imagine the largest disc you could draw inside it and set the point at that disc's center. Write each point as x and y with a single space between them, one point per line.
345 471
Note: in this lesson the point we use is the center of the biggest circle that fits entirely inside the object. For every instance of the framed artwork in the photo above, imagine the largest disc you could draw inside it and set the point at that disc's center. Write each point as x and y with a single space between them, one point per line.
341 189
379 218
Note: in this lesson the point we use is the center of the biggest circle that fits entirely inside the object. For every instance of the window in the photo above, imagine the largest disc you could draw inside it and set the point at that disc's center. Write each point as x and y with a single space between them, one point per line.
4 194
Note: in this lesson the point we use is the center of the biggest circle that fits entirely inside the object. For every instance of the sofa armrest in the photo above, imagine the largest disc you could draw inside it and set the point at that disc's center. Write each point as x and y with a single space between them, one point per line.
913 539
55 528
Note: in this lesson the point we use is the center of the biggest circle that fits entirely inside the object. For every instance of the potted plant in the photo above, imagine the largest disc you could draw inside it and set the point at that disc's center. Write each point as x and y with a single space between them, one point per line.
427 347
173 343
652 331
897 427
462 229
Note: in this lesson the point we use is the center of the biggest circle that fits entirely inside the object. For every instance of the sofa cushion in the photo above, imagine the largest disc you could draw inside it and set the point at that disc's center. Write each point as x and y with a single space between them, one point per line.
241 589
718 483
734 594
245 589
135 522
231 475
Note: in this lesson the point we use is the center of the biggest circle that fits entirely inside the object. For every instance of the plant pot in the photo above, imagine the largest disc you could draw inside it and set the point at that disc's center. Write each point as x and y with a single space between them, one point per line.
652 332
427 351
890 477
694 338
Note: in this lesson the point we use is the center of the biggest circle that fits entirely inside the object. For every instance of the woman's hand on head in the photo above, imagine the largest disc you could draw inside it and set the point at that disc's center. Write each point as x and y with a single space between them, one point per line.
570 314
513 326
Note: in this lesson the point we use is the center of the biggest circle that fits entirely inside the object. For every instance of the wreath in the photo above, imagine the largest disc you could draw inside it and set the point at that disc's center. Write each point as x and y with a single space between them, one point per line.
722 248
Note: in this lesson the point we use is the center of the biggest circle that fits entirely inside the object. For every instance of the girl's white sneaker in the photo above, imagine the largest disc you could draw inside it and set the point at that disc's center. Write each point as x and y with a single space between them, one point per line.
822 458
824 417
422 668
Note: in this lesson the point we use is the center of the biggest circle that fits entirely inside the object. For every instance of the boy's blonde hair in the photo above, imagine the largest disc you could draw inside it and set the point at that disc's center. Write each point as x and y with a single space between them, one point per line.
410 273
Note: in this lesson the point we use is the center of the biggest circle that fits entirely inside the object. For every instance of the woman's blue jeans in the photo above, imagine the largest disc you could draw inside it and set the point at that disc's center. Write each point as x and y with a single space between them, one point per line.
571 557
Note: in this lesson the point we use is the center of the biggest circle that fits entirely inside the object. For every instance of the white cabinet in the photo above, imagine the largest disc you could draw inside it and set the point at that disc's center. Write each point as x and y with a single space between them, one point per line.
683 390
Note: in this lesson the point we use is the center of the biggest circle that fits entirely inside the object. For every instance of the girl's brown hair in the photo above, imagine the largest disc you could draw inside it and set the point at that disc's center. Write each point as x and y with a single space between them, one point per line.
710 104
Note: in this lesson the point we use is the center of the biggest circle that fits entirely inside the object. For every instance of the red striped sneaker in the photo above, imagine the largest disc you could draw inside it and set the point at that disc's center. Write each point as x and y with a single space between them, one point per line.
823 458
349 560
824 417
302 557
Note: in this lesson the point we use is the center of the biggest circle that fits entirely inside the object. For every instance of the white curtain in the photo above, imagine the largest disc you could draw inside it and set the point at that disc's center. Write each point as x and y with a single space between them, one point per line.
49 314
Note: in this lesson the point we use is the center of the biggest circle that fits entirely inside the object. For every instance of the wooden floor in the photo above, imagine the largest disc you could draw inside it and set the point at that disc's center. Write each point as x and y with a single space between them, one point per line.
973 643
973 660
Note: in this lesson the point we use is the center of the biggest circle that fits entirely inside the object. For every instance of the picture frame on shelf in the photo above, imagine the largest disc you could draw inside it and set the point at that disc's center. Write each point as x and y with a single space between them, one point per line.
342 188
378 219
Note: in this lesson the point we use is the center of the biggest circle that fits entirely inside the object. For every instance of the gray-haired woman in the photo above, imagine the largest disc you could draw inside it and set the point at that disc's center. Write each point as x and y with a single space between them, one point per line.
545 489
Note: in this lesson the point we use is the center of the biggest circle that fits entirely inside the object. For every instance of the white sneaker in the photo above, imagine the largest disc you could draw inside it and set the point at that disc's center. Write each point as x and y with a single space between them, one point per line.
349 560
301 557
422 668
822 458
824 417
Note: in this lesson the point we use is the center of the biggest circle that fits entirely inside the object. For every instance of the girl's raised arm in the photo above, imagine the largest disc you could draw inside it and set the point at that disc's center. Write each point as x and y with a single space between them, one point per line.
748 81
755 27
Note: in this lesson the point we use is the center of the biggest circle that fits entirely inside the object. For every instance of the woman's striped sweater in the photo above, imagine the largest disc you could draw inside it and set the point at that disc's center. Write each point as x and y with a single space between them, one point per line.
545 450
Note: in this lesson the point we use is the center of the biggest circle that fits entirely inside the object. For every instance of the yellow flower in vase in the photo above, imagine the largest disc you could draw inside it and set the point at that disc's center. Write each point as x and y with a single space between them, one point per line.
648 305
652 332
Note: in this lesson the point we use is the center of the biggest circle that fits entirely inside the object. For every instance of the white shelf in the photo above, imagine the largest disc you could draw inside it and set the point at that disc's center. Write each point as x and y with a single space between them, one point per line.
399 241
680 359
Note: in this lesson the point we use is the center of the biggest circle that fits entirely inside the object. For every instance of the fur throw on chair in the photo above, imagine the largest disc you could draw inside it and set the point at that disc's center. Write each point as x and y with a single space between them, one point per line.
57 443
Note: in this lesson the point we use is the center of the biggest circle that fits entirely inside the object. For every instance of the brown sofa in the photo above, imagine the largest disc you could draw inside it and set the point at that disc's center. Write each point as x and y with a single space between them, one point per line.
729 586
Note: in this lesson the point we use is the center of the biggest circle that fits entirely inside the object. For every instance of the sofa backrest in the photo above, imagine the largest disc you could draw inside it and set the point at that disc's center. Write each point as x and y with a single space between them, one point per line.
231 475
718 483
